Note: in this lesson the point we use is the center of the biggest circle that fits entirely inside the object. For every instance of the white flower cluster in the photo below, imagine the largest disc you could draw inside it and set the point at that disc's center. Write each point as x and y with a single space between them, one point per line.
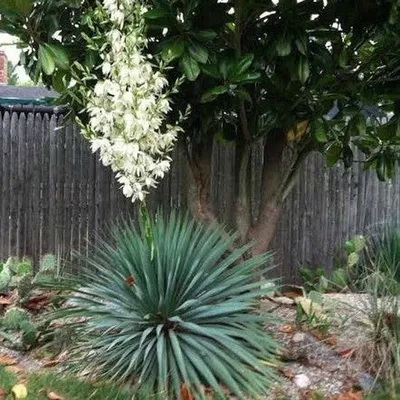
127 109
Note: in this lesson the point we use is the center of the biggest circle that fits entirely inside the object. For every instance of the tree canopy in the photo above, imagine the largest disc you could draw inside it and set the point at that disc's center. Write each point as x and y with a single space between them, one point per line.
300 75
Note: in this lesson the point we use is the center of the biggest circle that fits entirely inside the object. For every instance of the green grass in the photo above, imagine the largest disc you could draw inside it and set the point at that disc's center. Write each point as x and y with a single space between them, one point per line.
7 379
64 385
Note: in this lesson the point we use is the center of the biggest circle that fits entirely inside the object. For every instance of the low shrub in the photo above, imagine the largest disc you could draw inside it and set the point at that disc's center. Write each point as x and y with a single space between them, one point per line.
382 354
381 261
170 308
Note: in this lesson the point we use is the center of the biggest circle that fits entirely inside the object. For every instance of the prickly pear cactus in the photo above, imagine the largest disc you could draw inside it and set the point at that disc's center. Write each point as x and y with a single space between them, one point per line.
48 263
353 247
5 276
29 334
14 317
47 269
23 268
24 287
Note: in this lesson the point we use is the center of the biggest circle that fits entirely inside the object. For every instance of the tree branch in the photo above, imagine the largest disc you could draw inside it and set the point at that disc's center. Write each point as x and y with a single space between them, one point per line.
238 52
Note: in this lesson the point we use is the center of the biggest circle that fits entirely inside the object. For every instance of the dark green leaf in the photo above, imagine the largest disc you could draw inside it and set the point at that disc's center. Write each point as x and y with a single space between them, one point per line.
303 69
190 67
59 54
156 13
204 36
301 44
224 66
283 46
211 70
241 66
198 52
46 60
58 81
213 93
247 77
333 154
319 131
172 50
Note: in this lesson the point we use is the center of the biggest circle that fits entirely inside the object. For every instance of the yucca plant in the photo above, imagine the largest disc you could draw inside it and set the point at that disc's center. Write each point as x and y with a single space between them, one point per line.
382 259
171 308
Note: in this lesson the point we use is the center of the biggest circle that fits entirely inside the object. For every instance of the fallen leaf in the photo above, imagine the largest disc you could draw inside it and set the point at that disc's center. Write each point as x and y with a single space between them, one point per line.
130 280
347 353
331 341
311 308
318 335
311 395
19 391
350 396
5 301
185 392
53 396
50 363
14 369
286 329
39 302
292 295
3 394
288 373
6 360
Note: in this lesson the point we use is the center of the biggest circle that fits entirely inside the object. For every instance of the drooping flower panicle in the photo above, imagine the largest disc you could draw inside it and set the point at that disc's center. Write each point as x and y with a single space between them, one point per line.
127 109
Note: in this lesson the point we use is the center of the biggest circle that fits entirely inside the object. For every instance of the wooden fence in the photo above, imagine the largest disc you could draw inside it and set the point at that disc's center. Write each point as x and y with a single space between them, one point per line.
55 195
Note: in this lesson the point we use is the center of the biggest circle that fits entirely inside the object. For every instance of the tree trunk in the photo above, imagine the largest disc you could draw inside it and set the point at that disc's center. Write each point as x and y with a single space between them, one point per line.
263 229
277 183
199 159
242 207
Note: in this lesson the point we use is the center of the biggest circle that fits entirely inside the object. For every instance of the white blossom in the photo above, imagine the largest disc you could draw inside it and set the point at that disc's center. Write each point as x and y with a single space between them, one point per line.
128 107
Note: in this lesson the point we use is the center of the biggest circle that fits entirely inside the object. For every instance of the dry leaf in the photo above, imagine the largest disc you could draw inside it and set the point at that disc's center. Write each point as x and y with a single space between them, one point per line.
350 396
185 392
5 300
39 302
297 132
318 335
130 280
14 369
286 329
292 295
3 393
331 341
19 391
287 372
53 396
311 308
6 360
50 363
347 353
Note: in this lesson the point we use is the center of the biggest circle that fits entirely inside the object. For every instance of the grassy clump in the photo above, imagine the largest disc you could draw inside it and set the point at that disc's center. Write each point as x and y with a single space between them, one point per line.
69 387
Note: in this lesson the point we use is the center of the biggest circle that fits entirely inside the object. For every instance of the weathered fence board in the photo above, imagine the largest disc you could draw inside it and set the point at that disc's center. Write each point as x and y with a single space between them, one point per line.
55 196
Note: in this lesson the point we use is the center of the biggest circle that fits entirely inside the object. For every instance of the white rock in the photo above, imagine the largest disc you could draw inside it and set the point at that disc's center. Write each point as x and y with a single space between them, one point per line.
302 381
298 337
283 300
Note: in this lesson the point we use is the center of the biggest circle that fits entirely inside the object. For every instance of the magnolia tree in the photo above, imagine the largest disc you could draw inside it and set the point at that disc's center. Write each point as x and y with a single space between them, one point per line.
298 75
